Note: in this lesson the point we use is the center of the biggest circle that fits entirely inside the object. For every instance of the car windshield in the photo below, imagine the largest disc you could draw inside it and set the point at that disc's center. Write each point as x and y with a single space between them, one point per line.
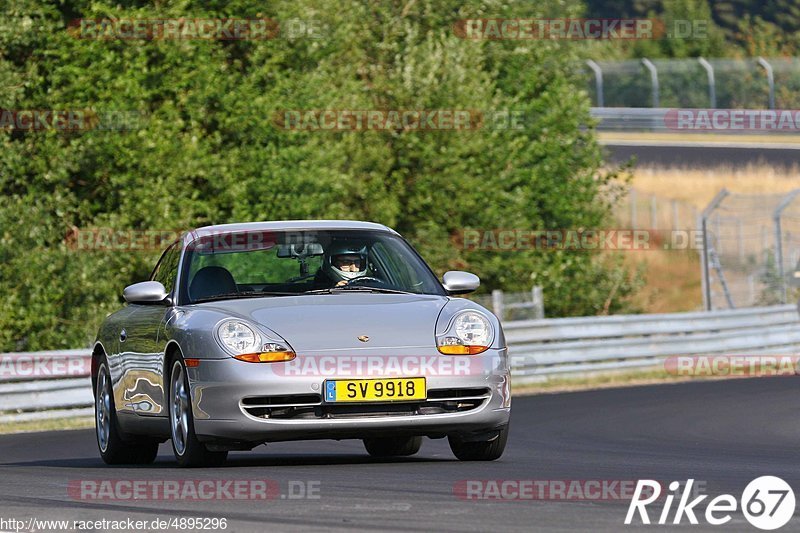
259 263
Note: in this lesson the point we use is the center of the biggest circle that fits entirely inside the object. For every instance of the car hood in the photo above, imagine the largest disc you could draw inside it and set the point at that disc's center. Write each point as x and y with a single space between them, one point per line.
332 322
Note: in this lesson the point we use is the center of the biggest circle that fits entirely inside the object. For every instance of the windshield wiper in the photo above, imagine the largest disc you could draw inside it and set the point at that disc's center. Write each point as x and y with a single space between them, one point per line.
238 295
357 288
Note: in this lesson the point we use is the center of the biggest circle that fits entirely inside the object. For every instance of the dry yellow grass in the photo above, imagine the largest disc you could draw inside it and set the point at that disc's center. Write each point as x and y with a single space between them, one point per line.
703 137
673 277
673 281
698 186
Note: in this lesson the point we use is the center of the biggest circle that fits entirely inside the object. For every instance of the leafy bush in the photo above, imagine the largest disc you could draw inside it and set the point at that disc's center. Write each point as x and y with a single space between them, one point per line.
207 150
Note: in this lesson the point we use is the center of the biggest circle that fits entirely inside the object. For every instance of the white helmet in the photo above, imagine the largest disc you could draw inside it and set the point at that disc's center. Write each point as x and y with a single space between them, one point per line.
352 253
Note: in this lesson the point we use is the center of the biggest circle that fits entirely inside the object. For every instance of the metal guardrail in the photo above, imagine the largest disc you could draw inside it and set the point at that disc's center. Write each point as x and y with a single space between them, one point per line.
691 120
667 120
545 348
630 118
539 349
49 384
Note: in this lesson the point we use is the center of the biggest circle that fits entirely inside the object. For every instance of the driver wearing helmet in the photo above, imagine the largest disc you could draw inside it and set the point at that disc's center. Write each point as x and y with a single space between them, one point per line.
344 263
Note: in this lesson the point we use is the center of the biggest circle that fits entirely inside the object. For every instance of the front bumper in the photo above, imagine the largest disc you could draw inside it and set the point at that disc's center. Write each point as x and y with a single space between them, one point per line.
229 399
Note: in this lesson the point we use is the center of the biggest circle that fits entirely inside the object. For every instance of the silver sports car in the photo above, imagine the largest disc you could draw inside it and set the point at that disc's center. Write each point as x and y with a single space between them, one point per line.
273 331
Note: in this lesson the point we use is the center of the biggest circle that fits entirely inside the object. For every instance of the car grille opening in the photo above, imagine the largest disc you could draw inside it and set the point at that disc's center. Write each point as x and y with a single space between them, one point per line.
457 393
310 406
270 401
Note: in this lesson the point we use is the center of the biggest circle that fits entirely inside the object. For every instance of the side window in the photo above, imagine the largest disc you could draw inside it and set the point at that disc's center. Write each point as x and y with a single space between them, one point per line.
166 270
397 268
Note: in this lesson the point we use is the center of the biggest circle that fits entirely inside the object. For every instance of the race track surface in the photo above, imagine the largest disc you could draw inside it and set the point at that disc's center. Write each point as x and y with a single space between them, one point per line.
696 155
721 433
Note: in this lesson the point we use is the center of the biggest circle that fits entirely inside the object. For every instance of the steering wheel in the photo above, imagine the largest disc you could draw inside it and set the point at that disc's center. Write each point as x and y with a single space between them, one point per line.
357 281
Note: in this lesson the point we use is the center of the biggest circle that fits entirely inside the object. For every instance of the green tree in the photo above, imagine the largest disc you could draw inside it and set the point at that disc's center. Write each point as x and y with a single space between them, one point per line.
208 150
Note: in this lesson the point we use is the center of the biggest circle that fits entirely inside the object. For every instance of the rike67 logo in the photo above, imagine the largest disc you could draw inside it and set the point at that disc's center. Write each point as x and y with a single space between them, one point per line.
767 503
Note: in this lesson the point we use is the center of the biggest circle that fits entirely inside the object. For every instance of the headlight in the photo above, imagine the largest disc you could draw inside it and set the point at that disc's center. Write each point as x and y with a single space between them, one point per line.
238 337
469 333
245 344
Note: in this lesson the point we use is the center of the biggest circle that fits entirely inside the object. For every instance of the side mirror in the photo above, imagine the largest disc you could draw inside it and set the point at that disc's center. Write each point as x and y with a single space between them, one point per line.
146 292
459 282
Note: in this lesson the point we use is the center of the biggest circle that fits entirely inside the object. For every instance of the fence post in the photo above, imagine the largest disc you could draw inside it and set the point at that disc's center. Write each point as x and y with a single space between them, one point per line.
653 212
739 240
538 302
779 239
712 84
653 79
497 303
703 223
770 80
598 81
675 215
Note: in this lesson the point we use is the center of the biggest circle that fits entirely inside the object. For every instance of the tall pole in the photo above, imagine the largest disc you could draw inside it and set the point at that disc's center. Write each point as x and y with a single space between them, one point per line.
776 216
704 256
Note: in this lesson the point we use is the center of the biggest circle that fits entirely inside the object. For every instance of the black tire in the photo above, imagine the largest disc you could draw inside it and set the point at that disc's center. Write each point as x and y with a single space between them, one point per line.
189 452
393 447
114 449
480 450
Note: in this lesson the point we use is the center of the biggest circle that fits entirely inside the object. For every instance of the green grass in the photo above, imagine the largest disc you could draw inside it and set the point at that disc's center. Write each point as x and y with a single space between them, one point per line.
82 422
601 381
766 138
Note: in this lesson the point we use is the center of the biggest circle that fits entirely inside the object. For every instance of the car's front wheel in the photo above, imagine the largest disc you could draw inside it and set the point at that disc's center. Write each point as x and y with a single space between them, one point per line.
485 450
114 449
189 451
392 447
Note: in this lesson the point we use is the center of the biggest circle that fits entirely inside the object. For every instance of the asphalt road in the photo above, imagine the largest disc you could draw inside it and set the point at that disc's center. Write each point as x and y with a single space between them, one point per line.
722 434
697 155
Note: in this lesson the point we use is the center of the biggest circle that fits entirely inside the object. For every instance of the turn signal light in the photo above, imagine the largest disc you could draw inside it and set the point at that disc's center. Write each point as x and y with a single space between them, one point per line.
462 349
266 357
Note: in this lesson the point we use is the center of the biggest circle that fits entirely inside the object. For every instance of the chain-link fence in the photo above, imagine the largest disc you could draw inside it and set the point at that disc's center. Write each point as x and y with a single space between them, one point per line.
513 305
642 210
751 249
753 83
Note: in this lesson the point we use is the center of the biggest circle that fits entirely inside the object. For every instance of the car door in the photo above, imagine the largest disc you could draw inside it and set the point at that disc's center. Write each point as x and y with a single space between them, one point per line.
143 342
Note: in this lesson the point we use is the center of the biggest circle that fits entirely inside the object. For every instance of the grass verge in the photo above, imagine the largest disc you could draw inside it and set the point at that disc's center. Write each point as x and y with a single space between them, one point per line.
607 380
763 138
55 424
697 187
